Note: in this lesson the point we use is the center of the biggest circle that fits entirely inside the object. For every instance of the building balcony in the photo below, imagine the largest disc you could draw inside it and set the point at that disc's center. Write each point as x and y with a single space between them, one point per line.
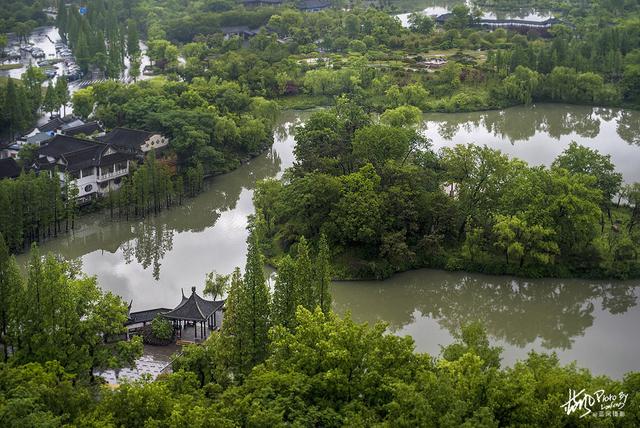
112 175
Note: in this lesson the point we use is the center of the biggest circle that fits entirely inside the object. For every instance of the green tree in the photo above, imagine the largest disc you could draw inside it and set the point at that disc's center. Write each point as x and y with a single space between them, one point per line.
83 102
285 294
583 160
304 276
323 275
50 102
62 93
10 292
66 317
253 307
421 23
161 328
215 285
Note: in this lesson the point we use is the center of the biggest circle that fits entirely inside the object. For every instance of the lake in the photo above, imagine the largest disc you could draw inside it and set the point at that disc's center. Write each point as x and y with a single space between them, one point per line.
593 322
436 8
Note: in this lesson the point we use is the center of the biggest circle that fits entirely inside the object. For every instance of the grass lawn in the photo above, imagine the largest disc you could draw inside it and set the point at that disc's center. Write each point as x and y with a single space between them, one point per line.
304 102
4 79
4 67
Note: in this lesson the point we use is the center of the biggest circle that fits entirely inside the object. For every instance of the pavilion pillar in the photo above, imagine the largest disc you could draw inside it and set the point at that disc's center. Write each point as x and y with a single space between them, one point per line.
195 330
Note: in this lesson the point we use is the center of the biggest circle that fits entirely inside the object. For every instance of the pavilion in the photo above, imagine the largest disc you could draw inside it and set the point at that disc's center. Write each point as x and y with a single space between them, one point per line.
194 309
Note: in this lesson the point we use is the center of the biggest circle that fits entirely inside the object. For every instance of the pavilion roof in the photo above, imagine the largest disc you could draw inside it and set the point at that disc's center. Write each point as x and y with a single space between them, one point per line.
194 308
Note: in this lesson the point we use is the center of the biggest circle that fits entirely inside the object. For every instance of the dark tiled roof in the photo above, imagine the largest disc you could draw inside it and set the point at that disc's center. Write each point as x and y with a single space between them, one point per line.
62 144
125 137
94 156
194 308
314 4
238 29
145 316
77 153
271 2
86 129
56 123
9 168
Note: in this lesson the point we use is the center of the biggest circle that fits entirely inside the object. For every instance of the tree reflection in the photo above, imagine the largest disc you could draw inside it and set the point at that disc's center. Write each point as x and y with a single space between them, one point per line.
152 240
522 123
514 310
629 126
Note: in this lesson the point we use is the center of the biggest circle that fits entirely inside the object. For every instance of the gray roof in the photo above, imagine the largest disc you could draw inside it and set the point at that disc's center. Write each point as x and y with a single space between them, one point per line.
86 128
77 153
9 168
194 308
125 137
145 316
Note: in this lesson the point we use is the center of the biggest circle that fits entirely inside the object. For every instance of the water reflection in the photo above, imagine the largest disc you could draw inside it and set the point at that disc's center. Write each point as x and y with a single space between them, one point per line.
532 133
147 242
629 126
514 310
522 123
152 241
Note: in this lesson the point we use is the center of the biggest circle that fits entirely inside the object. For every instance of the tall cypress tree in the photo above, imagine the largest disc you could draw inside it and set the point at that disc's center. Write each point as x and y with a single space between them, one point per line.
133 40
234 346
10 290
16 112
285 297
62 93
253 308
304 277
323 275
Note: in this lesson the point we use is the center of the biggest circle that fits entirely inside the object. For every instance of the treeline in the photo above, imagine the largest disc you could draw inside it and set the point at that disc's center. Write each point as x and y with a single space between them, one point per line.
366 53
21 100
150 188
35 207
101 36
21 17
386 203
310 368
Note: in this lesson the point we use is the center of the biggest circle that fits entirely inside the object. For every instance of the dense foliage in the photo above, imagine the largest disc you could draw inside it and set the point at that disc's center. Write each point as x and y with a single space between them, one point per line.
34 207
308 368
386 202
211 124
591 58
55 313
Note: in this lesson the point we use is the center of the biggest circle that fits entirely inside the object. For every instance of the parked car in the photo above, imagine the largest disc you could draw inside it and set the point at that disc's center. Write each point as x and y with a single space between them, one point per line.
38 53
14 54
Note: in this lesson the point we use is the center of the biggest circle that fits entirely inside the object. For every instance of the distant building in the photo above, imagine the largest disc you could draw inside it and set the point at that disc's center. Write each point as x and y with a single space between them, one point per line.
89 128
60 123
518 23
242 31
314 5
433 63
95 167
135 141
9 168
257 3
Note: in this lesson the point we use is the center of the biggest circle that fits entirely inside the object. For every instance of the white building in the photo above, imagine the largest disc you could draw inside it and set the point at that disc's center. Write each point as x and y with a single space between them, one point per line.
95 167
